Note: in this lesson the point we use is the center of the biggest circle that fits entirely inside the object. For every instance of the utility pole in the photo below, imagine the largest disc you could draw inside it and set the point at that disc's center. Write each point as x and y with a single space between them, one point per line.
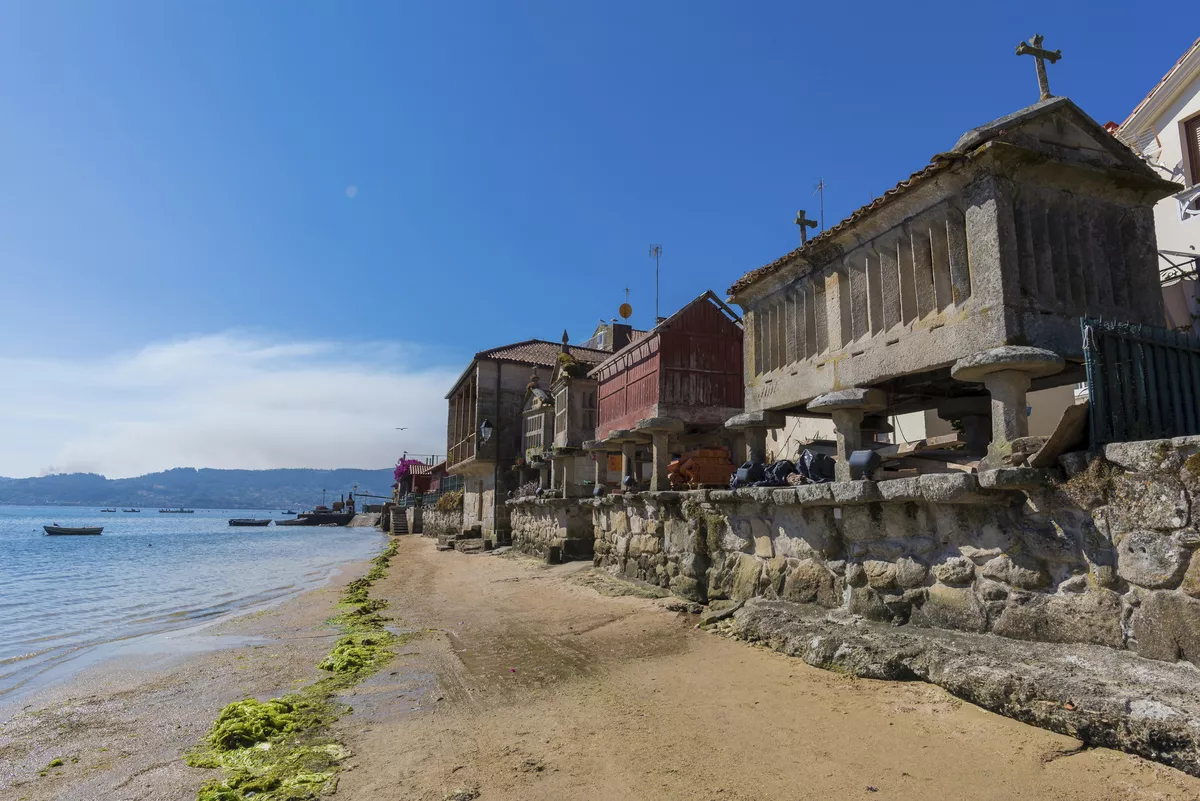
656 254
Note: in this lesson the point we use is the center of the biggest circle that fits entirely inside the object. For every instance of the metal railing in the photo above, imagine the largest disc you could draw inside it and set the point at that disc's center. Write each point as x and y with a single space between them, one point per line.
1143 381
448 484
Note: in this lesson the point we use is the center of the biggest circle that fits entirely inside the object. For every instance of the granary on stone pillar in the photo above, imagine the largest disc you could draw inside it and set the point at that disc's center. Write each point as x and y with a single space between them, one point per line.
669 392
557 423
963 285
537 425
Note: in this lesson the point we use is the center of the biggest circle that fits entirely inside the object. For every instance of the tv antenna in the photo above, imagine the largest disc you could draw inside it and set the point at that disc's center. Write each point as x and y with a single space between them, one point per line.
656 254
820 190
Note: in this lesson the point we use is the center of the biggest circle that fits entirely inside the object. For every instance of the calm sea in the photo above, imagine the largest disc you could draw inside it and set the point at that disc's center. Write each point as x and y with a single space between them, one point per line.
64 598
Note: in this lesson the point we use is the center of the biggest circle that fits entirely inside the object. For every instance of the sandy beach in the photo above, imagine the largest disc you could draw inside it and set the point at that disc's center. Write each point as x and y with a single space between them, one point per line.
528 683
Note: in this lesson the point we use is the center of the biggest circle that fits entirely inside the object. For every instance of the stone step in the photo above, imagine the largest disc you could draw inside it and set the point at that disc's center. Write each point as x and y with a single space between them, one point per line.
474 545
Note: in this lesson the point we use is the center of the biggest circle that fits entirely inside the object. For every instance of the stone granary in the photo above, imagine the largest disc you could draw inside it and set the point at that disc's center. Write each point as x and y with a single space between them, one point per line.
484 431
961 288
671 389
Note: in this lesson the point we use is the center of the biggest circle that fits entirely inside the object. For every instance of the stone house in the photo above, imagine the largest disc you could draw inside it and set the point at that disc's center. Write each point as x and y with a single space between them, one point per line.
961 288
484 427
670 389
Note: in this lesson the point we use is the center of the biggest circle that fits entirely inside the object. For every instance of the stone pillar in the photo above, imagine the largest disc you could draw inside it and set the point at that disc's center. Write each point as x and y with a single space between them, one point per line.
848 407
566 465
628 463
753 427
1007 372
660 430
738 452
544 477
975 414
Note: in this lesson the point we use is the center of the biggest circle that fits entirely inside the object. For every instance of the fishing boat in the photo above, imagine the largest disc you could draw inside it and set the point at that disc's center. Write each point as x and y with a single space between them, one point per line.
131 510
63 531
288 512
179 511
108 510
249 521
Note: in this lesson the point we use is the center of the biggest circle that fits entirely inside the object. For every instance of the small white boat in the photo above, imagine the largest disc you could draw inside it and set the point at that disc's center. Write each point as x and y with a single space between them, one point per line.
63 531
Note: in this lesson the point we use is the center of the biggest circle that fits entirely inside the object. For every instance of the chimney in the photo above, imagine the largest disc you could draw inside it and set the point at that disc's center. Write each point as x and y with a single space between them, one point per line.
622 333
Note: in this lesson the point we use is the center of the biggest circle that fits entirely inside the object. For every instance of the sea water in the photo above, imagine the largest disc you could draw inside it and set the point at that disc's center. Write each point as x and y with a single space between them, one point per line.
63 598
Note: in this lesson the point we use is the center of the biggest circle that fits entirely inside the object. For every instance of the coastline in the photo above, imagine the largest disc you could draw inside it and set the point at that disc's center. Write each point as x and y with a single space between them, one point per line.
122 724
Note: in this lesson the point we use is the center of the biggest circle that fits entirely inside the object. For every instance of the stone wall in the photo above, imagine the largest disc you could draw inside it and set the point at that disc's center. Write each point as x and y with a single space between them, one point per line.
540 523
1104 557
437 523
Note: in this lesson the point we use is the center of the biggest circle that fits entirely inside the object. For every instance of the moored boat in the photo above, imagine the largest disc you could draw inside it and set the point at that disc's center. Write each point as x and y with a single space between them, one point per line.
131 510
179 511
63 531
108 510
248 521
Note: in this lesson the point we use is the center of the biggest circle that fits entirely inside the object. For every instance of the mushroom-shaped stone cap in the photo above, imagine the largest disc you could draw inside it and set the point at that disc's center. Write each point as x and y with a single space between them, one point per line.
667 424
868 400
623 435
1035 362
760 419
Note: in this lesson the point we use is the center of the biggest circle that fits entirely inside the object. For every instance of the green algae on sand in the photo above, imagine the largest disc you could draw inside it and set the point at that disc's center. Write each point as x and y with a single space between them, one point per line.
282 749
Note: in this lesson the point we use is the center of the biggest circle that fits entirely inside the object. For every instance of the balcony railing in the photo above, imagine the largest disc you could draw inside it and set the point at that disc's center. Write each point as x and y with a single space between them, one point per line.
461 451
1189 203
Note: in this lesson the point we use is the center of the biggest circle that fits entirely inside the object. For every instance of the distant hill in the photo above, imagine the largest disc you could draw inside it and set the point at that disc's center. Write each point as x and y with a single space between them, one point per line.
205 489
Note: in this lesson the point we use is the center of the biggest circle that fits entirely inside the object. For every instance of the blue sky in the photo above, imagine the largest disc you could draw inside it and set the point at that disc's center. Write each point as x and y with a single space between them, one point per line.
408 183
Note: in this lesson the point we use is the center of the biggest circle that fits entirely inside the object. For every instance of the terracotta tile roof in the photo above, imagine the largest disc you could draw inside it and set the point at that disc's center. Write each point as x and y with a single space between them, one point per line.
1161 83
940 162
542 353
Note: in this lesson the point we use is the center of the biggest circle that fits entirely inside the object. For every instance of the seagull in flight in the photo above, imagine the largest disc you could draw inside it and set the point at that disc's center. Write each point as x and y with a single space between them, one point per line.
405 428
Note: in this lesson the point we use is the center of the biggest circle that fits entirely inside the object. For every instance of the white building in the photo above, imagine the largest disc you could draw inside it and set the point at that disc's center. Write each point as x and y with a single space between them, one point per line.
1164 130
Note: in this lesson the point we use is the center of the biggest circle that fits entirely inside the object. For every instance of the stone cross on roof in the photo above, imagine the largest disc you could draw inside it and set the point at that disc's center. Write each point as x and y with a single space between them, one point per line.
804 223
1034 48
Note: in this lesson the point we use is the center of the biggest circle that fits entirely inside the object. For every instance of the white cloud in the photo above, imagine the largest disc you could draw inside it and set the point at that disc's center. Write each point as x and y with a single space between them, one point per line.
228 400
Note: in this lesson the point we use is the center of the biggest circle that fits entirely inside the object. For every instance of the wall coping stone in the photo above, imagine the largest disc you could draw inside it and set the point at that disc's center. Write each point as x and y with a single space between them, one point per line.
855 491
1015 478
901 489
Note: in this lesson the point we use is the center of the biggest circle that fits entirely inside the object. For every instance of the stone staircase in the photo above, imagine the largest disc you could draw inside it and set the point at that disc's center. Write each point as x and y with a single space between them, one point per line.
399 521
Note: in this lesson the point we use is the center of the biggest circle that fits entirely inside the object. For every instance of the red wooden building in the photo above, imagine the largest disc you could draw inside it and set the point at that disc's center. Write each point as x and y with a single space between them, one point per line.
687 368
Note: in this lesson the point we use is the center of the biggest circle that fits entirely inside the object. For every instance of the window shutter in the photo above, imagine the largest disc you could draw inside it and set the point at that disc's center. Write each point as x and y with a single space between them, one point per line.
1191 130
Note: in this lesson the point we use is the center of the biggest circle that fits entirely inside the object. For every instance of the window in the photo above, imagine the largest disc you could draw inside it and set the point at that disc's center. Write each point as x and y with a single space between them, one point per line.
1191 139
560 411
589 410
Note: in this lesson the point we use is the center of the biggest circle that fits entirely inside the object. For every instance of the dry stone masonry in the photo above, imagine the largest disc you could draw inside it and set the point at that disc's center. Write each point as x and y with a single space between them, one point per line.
1106 557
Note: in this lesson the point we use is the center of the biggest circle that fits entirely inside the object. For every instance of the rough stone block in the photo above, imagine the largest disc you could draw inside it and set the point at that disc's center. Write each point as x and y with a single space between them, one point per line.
910 573
1019 570
856 576
880 575
900 489
720 496
851 492
1089 617
763 546
1150 559
1191 578
950 608
814 494
1147 456
773 574
781 496
1014 478
688 587
745 577
868 603
807 581
990 590
861 523
1149 501
955 570
949 487
1050 544
1167 626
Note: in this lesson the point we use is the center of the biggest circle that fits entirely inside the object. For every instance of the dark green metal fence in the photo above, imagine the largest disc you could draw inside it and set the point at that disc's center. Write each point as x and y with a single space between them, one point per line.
1143 381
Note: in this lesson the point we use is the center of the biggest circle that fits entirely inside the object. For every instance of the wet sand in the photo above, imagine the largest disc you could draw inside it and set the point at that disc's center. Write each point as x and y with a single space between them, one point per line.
528 685
122 726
